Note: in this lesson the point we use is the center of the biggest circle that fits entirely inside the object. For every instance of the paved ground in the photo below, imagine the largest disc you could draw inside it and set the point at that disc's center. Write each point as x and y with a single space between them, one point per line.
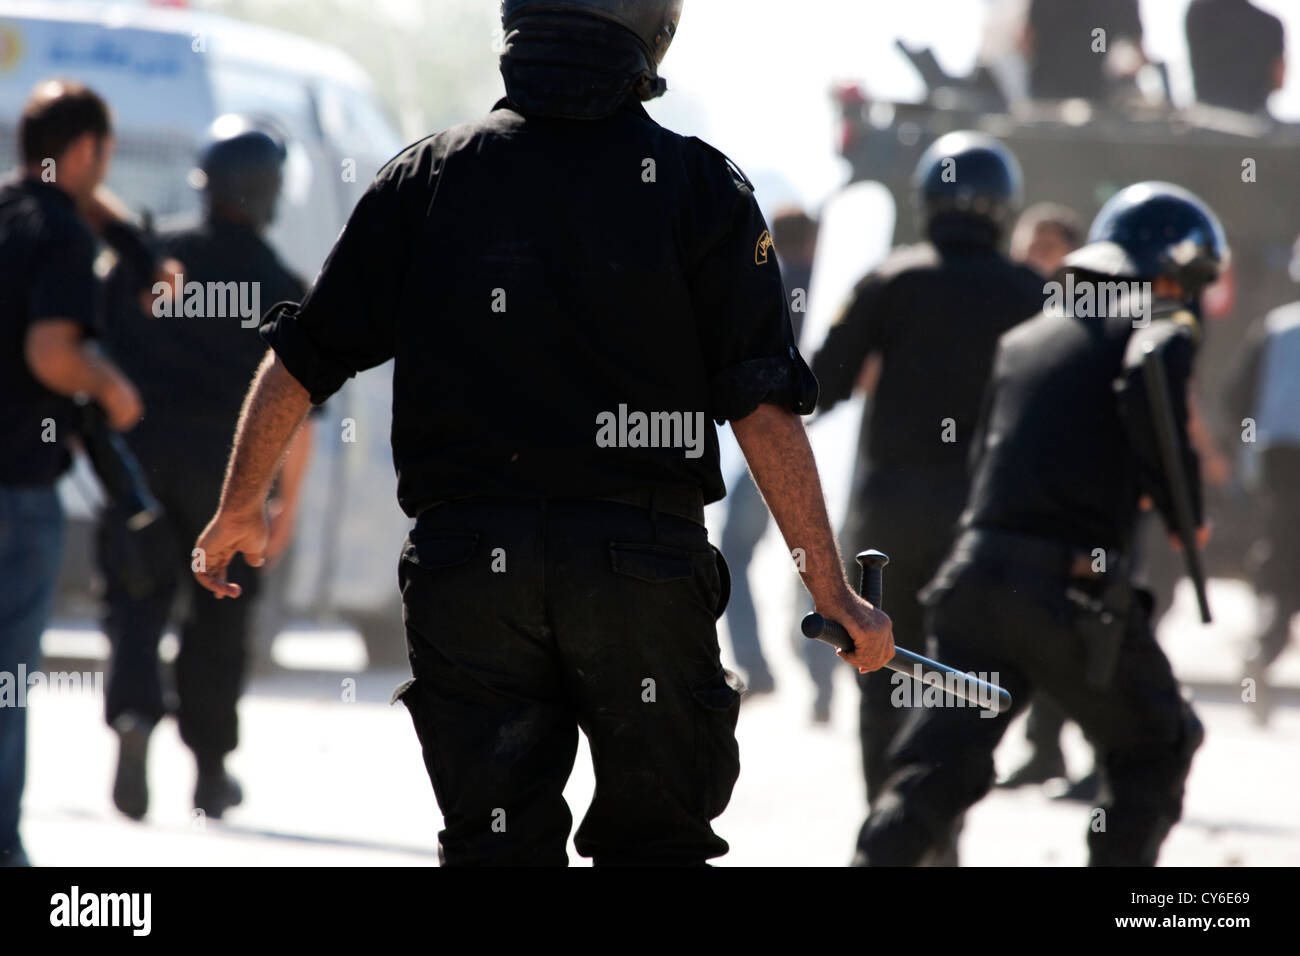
332 782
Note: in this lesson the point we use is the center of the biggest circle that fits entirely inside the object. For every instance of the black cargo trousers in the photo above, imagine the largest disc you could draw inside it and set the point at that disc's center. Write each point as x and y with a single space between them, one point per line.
999 607
527 620
144 572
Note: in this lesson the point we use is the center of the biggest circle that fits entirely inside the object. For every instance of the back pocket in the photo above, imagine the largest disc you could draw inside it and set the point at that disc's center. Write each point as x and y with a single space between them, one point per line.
664 564
431 550
652 563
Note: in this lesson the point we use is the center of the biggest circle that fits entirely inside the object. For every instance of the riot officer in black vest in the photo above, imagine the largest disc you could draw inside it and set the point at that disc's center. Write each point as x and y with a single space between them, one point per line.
572 295
931 315
1036 590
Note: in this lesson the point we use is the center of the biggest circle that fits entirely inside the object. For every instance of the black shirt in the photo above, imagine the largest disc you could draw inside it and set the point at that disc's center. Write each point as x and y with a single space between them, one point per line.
1233 46
1063 63
46 272
934 314
533 278
1066 444
193 363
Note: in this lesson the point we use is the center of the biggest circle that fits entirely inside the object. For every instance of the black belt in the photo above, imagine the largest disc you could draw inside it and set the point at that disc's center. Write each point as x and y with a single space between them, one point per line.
687 503
1051 555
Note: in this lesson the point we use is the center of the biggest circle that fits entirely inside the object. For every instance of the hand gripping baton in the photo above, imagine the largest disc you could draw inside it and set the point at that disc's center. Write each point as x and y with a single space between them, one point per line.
966 686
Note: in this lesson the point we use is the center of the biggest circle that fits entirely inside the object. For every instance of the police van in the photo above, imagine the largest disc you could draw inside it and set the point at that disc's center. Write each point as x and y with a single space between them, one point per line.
167 74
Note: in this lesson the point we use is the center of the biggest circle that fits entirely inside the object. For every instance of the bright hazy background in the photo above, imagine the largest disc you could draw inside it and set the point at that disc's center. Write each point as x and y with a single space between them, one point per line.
750 76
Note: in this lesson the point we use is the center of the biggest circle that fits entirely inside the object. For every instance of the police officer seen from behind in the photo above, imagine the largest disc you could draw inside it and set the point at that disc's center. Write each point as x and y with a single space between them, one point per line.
1238 54
1036 589
570 293
932 313
193 356
48 323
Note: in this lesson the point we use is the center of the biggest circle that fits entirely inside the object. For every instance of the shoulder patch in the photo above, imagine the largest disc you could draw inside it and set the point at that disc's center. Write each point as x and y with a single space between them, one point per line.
737 174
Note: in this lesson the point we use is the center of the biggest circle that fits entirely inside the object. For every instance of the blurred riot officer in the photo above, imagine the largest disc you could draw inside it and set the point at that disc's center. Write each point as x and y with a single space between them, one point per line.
1264 396
1238 53
932 314
193 354
543 326
48 322
1036 589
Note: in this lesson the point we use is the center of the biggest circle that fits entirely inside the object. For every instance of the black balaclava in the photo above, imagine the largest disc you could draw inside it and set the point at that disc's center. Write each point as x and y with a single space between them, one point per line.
962 229
574 67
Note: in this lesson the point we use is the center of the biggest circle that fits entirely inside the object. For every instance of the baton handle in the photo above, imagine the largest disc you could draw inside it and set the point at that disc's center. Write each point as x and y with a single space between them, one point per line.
872 586
967 686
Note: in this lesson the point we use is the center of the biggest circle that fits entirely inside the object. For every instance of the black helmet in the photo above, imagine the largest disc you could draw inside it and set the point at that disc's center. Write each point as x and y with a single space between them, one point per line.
967 180
652 22
1152 230
241 166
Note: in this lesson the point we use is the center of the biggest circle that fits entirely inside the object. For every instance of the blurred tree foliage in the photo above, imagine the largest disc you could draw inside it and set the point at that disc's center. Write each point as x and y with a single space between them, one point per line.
433 61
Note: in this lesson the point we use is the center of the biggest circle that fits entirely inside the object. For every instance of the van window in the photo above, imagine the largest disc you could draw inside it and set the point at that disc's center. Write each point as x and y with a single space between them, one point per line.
355 124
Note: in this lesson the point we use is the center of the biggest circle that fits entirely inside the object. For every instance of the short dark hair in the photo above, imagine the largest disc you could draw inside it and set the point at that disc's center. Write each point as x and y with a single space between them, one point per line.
1061 218
792 227
57 113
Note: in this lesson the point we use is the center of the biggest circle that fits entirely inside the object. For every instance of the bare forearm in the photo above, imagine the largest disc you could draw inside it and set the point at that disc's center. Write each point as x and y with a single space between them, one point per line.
274 409
64 362
295 466
776 447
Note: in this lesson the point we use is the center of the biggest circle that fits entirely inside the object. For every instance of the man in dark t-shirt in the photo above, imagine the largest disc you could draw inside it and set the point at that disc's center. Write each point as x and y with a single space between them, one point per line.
47 323
1067 53
560 345
1238 53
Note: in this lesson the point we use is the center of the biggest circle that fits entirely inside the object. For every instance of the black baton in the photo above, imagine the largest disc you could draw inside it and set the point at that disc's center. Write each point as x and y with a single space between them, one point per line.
966 686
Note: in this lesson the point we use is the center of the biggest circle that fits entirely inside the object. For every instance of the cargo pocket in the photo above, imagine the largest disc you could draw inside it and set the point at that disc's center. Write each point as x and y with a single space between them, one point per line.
717 752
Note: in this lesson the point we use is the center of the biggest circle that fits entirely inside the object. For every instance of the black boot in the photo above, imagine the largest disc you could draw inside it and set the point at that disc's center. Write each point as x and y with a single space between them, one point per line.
1039 768
1085 790
130 786
216 791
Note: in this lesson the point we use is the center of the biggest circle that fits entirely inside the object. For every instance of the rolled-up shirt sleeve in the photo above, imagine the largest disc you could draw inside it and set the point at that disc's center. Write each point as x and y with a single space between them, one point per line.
744 319
346 323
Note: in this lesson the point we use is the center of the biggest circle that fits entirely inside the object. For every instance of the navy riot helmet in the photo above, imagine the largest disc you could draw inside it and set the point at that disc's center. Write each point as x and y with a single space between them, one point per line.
241 168
967 185
1152 230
